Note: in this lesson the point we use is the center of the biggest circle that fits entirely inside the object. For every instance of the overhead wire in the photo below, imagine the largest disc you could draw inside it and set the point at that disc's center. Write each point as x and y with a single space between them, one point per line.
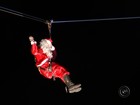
7 10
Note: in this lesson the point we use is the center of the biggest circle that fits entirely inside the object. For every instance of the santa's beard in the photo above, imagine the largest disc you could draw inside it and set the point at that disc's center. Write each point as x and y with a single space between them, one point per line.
48 52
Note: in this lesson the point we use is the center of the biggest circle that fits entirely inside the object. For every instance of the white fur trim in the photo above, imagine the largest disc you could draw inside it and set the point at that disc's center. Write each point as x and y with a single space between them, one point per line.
33 42
45 60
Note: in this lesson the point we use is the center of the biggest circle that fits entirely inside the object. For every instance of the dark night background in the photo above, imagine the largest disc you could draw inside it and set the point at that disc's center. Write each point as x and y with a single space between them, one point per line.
101 55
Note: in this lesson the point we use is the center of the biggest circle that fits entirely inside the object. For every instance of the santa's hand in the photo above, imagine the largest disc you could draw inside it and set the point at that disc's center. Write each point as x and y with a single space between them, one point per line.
31 38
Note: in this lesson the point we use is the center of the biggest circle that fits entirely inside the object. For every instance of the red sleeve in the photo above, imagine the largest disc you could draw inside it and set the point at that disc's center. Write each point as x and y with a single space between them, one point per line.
34 49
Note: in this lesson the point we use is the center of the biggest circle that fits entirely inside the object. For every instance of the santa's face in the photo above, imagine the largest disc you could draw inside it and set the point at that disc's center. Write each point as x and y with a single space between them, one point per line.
46 43
47 47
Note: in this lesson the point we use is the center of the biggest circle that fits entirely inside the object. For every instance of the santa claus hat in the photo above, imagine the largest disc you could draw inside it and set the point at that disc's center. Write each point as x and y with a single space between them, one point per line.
49 39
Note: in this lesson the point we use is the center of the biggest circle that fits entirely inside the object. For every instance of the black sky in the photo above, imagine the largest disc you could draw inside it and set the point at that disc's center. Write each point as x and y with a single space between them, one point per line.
102 55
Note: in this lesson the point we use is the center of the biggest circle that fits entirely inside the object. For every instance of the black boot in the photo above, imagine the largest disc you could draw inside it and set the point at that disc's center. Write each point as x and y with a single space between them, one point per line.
71 87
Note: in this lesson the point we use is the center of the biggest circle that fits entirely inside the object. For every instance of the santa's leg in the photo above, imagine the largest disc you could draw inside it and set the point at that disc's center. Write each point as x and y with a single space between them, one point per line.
70 86
63 74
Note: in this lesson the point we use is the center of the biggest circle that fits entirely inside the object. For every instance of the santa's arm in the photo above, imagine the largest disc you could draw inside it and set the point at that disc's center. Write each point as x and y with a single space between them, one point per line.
34 48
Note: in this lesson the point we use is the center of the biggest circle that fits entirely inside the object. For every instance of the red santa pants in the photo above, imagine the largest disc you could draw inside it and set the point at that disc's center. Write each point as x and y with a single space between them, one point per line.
57 71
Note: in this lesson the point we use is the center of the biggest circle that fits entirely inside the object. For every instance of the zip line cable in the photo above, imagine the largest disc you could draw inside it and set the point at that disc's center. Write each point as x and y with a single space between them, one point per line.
67 21
90 20
21 14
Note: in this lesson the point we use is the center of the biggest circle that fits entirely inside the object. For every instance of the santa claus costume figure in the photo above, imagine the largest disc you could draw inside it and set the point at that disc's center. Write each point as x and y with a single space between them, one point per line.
44 58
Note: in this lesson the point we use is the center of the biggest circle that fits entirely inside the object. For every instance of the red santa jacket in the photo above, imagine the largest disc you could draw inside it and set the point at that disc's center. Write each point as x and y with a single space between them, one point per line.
40 58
